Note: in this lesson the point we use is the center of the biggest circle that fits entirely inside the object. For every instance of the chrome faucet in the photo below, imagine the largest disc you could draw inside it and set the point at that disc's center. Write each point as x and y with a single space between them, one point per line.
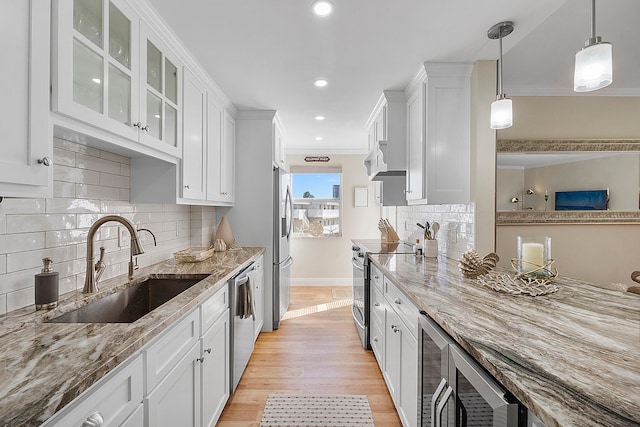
90 282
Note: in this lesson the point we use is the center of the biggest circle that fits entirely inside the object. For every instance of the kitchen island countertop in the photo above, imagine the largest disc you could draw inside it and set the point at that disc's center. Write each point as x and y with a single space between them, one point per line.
44 366
572 357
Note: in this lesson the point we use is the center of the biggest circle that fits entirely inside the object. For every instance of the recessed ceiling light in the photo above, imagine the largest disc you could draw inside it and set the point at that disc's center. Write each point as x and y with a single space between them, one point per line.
318 138
322 7
320 83
319 117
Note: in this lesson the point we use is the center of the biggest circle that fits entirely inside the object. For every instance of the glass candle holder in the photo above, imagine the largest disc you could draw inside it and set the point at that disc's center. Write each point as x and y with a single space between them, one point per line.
534 255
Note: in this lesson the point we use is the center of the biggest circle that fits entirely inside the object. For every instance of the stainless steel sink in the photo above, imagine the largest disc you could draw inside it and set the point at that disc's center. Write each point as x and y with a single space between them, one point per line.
129 304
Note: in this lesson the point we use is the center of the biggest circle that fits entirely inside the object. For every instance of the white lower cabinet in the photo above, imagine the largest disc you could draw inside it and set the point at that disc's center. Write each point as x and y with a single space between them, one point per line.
176 399
396 347
180 379
116 400
258 295
215 370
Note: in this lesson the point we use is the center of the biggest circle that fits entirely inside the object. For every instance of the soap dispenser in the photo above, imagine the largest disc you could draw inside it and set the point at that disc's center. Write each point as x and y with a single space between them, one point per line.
46 287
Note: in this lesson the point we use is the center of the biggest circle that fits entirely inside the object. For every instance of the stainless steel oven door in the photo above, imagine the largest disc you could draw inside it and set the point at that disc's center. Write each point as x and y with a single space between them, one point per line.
359 296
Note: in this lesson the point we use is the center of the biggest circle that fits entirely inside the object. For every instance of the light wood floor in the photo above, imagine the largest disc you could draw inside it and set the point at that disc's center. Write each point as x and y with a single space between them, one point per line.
316 350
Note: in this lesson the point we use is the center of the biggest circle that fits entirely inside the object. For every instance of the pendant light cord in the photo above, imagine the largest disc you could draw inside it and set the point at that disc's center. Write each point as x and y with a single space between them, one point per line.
593 19
500 63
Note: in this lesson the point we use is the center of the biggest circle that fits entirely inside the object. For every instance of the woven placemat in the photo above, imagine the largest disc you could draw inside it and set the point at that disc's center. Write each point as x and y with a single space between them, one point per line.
285 410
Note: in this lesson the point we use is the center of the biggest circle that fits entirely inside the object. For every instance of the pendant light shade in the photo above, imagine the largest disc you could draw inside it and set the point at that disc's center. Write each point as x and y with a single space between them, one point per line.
501 108
501 113
593 69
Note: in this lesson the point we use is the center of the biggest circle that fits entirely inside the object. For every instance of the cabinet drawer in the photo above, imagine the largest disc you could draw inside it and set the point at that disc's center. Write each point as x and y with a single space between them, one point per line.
211 309
116 397
163 354
402 305
377 307
377 343
376 277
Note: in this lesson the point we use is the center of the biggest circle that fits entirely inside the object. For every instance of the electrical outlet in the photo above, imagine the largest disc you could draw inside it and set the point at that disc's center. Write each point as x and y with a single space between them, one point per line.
124 238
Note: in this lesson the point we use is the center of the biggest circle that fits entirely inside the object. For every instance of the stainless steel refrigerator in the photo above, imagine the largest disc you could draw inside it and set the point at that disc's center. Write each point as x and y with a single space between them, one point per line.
261 212
282 261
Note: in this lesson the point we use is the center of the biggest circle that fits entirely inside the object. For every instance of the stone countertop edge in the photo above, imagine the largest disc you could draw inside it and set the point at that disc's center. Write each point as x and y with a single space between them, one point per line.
44 366
571 357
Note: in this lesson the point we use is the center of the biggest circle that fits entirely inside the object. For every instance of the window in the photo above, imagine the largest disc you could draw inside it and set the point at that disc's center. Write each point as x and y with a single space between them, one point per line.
317 200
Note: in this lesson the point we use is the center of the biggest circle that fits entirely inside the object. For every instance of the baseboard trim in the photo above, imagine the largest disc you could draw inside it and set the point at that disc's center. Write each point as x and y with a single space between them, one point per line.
331 281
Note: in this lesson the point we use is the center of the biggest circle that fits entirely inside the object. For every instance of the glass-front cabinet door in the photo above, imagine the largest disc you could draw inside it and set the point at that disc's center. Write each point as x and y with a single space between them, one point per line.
96 67
160 105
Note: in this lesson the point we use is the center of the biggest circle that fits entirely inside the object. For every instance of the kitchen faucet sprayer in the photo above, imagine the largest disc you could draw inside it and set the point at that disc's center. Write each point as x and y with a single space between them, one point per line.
90 282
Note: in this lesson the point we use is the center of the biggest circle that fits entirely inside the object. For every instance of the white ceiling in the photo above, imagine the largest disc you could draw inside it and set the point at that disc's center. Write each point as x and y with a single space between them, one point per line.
265 54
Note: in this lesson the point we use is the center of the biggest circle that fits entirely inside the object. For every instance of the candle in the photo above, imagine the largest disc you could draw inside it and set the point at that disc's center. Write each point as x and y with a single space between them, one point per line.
546 192
532 256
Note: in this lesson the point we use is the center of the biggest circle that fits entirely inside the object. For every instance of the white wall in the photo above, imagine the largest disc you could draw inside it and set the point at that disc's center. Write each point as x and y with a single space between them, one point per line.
88 183
327 260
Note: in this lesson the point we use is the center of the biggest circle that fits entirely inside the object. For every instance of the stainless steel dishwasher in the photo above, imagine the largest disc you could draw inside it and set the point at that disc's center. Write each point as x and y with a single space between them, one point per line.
242 329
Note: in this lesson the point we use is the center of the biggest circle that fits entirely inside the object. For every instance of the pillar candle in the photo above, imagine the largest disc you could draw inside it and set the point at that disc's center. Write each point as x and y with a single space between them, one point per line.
532 253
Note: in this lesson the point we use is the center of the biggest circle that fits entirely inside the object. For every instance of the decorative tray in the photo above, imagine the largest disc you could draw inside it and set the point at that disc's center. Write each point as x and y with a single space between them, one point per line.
196 254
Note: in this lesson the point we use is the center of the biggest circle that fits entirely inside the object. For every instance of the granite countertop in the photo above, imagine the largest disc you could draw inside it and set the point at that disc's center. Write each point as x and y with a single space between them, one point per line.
572 357
44 366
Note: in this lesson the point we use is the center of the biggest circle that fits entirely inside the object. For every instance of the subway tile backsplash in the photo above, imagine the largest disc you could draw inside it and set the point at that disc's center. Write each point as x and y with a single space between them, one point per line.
88 183
457 230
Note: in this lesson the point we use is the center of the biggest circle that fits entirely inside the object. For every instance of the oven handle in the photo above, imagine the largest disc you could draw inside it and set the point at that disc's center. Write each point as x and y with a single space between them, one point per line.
355 318
357 265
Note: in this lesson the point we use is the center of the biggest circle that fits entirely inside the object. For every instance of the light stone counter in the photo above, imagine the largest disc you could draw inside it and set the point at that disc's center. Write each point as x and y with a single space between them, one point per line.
44 366
573 357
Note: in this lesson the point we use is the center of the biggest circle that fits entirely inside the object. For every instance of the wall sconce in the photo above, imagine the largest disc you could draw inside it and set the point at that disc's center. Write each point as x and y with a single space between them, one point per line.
593 68
525 193
501 108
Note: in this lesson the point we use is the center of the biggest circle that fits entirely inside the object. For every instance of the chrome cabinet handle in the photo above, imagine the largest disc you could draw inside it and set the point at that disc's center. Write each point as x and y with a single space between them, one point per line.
94 420
442 405
187 186
397 301
375 339
207 350
377 304
139 126
376 277
200 359
394 328
46 160
434 399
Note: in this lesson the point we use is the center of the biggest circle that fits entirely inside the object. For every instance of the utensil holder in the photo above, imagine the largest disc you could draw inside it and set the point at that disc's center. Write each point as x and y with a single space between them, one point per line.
431 248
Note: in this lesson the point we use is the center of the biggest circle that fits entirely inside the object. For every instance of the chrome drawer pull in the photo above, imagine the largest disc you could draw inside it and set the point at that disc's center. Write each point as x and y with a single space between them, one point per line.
397 301
94 420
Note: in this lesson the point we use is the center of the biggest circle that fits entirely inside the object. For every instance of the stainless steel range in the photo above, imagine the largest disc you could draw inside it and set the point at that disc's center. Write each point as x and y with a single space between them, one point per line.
360 250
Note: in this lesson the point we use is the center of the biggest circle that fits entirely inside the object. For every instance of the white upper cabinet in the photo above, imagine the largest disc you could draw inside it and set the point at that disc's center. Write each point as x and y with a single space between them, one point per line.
221 143
279 147
386 128
194 149
27 149
159 118
112 71
438 140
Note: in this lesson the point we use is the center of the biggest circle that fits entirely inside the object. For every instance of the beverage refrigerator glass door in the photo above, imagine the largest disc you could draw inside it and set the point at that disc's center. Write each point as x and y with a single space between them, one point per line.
454 389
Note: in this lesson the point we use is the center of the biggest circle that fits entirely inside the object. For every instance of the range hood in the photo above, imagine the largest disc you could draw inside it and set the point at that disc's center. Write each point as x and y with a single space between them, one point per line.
386 160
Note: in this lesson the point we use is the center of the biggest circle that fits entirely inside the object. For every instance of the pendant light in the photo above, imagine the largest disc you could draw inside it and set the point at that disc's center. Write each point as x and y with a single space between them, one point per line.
501 108
593 62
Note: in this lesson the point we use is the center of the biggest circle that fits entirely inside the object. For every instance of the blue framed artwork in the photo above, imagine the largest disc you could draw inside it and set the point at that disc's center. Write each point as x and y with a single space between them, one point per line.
590 200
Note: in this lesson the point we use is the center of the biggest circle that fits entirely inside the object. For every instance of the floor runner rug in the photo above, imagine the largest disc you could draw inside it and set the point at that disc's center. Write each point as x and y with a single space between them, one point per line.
285 410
